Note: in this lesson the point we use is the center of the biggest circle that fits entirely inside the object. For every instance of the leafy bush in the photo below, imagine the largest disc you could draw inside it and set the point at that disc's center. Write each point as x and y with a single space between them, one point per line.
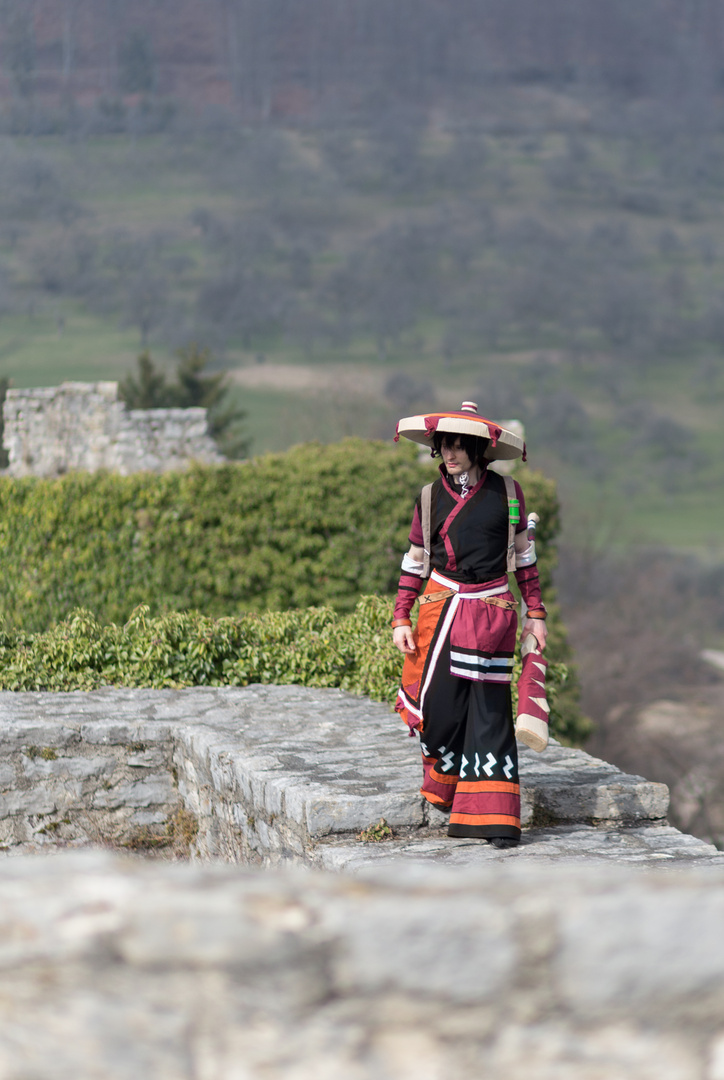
309 538
313 647
316 525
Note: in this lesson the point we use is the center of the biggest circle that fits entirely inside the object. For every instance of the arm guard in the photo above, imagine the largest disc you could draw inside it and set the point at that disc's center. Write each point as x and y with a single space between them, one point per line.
408 589
529 585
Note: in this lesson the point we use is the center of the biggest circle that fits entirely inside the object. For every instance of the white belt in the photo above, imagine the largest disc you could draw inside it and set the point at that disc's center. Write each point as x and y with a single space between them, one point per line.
455 587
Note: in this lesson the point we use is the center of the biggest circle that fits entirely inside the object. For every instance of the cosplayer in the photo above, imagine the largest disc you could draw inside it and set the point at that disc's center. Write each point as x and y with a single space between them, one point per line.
468 531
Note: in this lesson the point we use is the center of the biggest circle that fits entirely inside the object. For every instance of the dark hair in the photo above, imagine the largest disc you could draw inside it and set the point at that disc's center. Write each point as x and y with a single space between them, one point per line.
473 445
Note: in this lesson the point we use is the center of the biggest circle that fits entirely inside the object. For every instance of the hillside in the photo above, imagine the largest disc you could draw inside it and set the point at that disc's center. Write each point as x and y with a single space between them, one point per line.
574 282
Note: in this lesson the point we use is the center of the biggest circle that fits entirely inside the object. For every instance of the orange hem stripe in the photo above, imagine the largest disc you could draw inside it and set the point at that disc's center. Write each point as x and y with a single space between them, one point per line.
440 778
435 798
484 819
479 787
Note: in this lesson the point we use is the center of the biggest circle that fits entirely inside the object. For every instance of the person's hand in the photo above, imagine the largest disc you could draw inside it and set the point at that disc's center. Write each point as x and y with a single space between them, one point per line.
539 630
403 639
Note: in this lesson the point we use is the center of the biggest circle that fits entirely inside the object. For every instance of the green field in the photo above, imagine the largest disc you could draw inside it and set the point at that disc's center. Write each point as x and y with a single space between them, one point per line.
572 283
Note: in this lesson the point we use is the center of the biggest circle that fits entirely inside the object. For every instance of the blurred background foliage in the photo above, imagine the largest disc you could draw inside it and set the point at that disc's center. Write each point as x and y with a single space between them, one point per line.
340 289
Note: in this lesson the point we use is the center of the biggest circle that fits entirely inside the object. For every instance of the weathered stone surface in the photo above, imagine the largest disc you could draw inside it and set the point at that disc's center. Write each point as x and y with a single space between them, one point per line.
34 733
286 773
637 942
532 972
36 801
146 759
424 957
592 790
648 845
109 733
78 768
53 430
149 817
151 791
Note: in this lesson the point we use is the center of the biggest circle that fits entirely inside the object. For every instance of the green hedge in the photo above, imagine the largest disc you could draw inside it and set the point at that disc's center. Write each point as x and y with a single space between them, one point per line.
300 536
317 525
312 647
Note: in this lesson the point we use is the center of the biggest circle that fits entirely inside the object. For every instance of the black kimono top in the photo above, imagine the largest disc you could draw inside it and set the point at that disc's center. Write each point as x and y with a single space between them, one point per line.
468 538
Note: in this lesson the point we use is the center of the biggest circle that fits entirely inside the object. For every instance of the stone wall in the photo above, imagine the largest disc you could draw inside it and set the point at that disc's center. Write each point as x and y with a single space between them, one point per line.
69 782
121 970
273 774
419 958
53 430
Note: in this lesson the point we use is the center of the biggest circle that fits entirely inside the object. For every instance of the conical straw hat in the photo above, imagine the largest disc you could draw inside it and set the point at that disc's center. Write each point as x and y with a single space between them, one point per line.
504 444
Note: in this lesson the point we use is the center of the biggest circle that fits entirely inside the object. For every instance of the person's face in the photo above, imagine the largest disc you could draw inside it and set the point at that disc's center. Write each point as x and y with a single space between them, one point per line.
456 460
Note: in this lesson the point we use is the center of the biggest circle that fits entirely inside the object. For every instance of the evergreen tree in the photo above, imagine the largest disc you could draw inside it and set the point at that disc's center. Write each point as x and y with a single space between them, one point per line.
4 384
149 389
211 392
191 388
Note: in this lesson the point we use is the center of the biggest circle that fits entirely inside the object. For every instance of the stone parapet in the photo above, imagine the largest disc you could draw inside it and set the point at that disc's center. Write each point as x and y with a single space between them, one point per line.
285 773
49 431
124 970
422 956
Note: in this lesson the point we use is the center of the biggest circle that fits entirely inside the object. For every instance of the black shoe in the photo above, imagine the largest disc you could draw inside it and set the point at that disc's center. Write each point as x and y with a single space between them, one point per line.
502 841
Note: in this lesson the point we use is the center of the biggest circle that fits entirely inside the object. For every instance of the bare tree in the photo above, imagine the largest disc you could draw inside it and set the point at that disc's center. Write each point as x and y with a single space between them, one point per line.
113 20
139 275
19 25
70 15
252 29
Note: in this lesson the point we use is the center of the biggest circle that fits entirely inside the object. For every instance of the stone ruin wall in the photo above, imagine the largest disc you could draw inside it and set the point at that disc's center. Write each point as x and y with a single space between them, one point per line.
593 952
53 430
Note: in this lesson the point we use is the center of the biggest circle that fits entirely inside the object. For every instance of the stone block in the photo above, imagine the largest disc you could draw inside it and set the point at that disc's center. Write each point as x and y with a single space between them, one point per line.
644 949
38 800
570 785
151 791
243 779
438 819
146 759
78 768
149 817
605 802
21 735
274 793
221 768
393 940
156 732
351 814
527 805
109 733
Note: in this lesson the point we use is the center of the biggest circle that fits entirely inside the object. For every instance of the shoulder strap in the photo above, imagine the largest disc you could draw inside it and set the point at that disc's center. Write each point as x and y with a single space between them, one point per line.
425 513
513 519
